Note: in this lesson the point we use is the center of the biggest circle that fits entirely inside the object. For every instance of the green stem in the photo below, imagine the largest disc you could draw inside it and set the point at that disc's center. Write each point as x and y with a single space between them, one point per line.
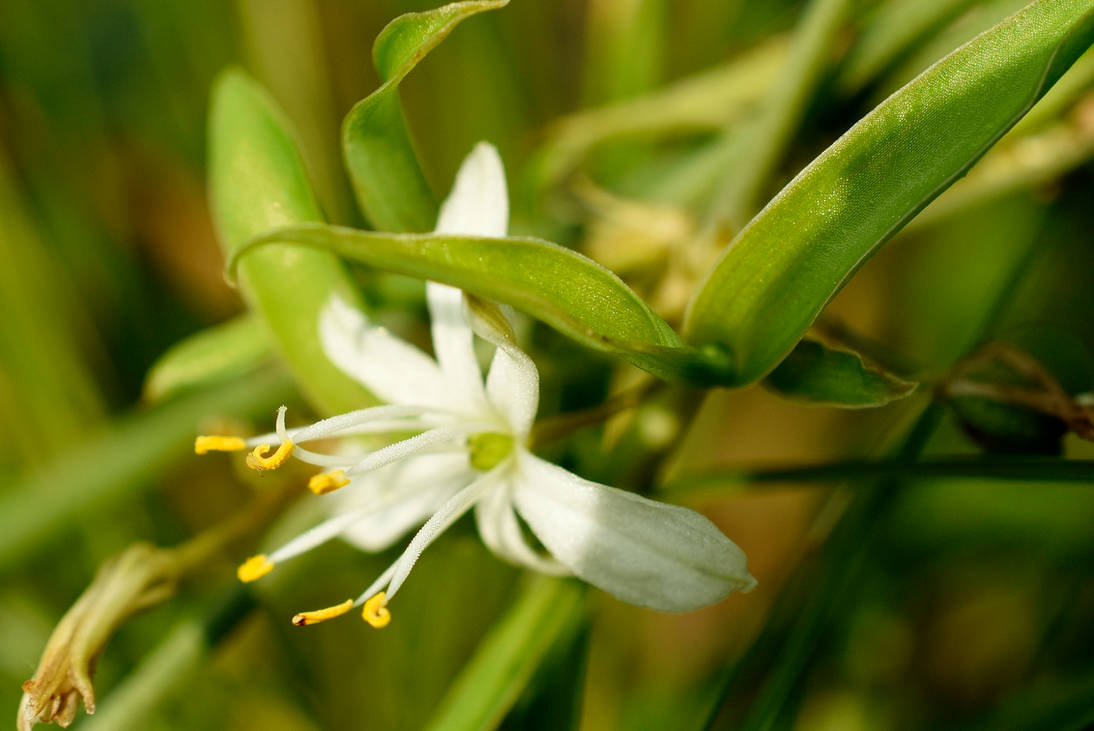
546 612
1020 469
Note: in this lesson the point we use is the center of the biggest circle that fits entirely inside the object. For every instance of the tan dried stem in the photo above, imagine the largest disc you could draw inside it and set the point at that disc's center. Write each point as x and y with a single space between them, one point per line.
140 577
1043 394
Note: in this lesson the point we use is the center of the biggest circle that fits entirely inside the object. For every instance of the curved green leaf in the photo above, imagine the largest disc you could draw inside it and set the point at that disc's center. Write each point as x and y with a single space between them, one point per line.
382 164
782 269
258 182
568 291
822 375
224 351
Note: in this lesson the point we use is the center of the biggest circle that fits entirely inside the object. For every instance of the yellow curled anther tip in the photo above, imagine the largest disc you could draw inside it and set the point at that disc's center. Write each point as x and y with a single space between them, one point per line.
326 482
375 611
322 615
204 444
259 460
254 568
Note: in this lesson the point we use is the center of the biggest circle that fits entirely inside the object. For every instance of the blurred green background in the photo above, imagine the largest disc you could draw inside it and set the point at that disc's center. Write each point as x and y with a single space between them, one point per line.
959 602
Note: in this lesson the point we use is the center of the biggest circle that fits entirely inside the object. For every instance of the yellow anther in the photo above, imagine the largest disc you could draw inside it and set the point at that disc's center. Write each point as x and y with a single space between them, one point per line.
322 615
254 568
218 444
259 460
375 611
326 482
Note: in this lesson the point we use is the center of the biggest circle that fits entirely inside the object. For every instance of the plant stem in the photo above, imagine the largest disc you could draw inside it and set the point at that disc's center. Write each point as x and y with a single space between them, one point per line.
1019 469
544 615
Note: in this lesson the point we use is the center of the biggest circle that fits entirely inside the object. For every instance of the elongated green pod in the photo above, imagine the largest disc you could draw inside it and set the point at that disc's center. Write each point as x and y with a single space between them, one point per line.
258 182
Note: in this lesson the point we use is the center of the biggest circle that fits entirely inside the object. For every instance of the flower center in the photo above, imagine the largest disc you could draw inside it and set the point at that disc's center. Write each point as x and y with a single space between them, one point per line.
489 449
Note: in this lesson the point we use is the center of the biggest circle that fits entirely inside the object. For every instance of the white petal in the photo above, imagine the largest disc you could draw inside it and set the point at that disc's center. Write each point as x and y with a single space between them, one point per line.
502 534
452 343
512 383
437 524
393 369
647 553
409 492
479 203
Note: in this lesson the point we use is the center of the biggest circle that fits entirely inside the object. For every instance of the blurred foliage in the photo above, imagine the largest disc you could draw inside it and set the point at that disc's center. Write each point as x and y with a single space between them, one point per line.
939 599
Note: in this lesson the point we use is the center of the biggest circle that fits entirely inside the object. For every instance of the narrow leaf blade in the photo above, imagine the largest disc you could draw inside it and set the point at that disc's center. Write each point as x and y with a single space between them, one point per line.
225 351
507 658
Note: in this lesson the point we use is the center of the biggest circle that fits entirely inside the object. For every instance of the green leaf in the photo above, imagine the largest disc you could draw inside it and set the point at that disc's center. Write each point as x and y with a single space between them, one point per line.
507 658
258 182
225 351
559 286
1015 164
824 375
382 163
780 271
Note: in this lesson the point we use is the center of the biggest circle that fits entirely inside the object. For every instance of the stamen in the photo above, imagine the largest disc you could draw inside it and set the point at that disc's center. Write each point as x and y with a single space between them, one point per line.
376 612
303 619
205 444
428 441
254 568
259 460
326 482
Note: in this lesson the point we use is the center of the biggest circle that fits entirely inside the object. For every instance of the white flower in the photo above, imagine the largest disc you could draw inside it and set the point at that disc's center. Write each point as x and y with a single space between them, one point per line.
470 450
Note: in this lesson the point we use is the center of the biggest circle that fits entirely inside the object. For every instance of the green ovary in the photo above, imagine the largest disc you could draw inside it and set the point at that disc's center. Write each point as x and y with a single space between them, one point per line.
489 449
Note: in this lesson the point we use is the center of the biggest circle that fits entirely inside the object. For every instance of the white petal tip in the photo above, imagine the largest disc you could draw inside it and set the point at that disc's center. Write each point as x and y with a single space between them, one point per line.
479 202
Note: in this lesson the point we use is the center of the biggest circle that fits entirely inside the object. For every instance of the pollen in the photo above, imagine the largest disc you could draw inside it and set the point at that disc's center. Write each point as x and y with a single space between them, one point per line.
326 482
203 444
254 568
260 460
375 611
322 615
